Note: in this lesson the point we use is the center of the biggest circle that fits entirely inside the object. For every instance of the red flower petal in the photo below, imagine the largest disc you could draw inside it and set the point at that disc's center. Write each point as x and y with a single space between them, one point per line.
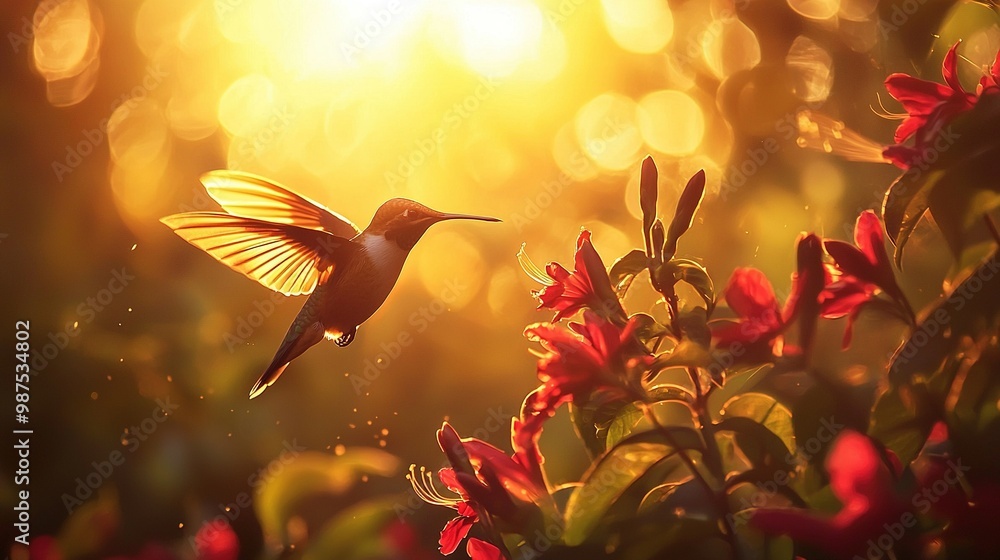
857 474
216 541
453 533
482 550
949 69
749 295
869 238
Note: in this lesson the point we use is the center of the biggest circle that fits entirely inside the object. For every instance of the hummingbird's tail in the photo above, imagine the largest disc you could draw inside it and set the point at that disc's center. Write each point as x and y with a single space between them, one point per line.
293 346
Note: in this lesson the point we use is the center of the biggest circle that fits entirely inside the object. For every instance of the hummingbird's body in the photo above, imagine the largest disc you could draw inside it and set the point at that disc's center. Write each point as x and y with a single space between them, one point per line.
295 246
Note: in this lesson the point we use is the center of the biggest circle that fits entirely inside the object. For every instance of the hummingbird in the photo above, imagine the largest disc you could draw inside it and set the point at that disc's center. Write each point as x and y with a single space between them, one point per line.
296 246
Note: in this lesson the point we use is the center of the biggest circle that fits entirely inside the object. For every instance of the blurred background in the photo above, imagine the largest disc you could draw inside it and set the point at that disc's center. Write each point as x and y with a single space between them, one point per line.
534 111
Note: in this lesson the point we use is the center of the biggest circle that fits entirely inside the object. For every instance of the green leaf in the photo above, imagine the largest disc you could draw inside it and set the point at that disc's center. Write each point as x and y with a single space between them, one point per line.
972 305
657 239
904 204
356 533
647 328
585 426
901 422
953 181
687 205
312 473
974 420
695 275
624 270
91 526
615 472
765 411
687 353
956 211
621 427
736 383
647 199
669 392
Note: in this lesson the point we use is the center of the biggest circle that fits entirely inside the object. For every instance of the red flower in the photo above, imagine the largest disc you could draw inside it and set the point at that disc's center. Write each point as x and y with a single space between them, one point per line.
488 485
587 286
482 550
216 541
862 483
990 83
861 271
749 294
597 359
762 321
930 107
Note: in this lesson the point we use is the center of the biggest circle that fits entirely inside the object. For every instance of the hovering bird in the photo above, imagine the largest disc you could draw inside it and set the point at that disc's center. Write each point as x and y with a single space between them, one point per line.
295 246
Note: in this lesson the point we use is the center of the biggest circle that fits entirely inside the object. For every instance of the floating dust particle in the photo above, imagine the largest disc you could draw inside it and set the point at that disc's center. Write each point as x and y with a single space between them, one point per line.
385 431
170 379
369 422
179 525
340 449
351 426
93 396
364 478
381 443
134 245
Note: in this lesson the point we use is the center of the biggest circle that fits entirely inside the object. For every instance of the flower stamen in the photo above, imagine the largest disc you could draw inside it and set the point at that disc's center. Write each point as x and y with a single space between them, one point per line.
532 270
423 485
820 132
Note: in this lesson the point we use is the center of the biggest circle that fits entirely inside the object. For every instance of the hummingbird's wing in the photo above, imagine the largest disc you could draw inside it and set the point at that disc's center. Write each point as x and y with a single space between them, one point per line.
283 257
252 196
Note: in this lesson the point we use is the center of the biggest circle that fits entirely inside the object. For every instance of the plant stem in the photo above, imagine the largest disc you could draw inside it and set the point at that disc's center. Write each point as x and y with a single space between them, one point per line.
712 456
681 452
992 226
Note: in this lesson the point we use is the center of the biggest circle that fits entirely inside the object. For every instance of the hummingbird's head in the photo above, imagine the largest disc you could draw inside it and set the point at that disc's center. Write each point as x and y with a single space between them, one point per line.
405 221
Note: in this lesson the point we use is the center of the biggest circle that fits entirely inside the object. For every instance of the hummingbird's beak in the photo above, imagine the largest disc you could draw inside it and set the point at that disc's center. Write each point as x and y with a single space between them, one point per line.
442 216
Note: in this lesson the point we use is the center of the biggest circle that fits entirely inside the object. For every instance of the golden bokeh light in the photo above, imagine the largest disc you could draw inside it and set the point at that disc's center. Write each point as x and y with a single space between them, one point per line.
66 46
857 10
462 274
137 134
496 36
607 133
812 68
640 26
671 122
247 104
730 46
815 9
